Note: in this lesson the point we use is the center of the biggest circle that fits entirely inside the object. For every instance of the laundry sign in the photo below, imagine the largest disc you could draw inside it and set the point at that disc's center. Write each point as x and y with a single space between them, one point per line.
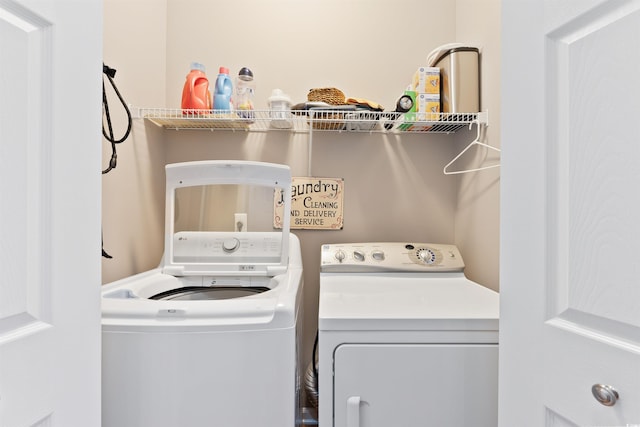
316 204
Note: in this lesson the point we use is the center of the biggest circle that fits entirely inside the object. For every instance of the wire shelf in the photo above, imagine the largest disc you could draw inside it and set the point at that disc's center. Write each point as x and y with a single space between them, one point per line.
321 119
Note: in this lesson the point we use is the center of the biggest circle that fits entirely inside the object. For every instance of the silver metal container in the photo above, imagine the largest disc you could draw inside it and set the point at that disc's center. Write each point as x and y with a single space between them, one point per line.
459 79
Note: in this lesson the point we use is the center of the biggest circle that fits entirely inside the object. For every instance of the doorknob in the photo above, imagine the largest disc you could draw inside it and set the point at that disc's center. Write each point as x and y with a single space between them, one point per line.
605 394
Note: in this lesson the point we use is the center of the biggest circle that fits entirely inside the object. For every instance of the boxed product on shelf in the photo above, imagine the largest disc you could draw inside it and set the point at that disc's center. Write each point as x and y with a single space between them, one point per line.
428 106
426 80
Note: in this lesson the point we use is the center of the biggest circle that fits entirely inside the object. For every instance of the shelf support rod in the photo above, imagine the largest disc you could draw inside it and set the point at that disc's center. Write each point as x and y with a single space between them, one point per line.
310 147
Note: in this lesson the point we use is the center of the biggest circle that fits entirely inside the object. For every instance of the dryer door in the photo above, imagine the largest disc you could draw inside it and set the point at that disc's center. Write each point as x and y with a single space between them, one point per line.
432 385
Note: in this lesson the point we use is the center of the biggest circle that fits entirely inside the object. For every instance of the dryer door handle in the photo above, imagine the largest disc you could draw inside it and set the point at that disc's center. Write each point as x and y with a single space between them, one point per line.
353 411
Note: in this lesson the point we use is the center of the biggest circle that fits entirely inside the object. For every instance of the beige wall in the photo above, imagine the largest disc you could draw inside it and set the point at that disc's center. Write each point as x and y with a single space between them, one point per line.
477 220
394 186
133 193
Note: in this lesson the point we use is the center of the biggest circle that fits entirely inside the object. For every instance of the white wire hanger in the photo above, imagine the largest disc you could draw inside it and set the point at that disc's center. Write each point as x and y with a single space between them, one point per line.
476 141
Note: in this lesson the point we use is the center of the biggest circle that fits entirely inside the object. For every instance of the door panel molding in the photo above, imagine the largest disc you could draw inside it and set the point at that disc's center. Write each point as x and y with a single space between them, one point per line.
26 46
598 328
593 233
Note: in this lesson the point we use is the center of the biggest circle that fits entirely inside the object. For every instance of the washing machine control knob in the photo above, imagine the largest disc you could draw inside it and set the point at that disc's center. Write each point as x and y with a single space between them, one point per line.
358 256
377 255
231 245
340 255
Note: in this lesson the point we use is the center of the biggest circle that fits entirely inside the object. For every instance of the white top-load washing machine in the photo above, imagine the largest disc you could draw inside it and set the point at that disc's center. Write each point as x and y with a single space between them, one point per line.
405 339
211 336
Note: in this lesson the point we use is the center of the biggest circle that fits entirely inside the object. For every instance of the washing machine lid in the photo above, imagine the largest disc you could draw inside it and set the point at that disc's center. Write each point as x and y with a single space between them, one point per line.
219 218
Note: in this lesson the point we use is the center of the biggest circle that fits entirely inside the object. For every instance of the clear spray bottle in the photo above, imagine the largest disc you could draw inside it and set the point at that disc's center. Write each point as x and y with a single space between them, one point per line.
244 93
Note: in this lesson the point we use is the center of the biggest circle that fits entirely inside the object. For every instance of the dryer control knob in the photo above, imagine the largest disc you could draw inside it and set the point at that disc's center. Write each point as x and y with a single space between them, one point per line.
358 256
377 255
427 256
230 245
340 256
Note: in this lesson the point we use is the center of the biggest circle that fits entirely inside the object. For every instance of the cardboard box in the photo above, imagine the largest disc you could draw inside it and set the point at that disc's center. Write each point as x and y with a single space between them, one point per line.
428 107
426 80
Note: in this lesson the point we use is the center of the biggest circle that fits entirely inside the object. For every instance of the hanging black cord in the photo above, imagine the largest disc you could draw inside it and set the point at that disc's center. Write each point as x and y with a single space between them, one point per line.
111 73
314 355
104 253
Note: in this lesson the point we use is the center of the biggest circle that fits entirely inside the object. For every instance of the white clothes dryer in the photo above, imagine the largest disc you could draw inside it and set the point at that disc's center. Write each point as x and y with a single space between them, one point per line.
405 338
211 336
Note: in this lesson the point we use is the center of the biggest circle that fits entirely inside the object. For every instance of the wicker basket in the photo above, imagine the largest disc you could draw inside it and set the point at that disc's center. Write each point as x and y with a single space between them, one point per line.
324 119
330 95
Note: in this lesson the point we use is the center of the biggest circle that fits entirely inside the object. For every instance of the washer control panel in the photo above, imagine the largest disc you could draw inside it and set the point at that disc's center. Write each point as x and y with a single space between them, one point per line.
390 256
201 246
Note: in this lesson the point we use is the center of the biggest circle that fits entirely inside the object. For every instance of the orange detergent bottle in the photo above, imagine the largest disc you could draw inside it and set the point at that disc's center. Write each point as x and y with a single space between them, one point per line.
195 94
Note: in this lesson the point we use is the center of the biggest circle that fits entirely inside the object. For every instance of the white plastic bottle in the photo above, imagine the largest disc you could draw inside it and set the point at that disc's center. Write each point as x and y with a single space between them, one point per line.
280 109
244 93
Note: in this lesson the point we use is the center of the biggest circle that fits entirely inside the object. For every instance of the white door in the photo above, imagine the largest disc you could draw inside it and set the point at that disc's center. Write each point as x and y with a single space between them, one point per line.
570 219
50 94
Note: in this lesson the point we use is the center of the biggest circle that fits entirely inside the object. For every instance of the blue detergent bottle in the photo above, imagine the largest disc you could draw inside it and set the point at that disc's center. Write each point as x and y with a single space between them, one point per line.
223 90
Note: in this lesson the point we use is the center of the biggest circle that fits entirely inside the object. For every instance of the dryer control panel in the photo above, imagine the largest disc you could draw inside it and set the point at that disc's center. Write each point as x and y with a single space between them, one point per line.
390 256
